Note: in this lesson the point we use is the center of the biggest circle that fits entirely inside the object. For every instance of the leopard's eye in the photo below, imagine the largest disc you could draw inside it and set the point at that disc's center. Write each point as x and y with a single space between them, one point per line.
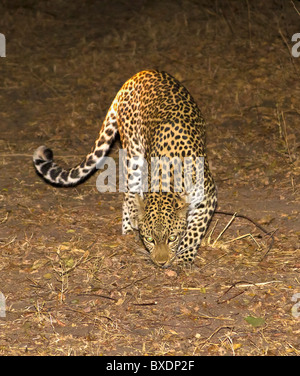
149 239
172 238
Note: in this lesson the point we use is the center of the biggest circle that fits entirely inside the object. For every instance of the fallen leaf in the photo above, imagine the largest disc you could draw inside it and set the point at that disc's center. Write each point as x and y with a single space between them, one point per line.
120 301
237 346
170 273
255 321
47 276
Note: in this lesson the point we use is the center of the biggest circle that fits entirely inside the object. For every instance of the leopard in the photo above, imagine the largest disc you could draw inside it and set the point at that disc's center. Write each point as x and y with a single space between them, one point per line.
157 119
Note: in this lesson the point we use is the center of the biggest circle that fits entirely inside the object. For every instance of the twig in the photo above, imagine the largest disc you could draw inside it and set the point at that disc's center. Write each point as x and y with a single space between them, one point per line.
144 304
221 11
242 237
213 261
65 271
255 224
270 246
284 40
295 8
4 245
132 283
249 284
232 297
5 218
242 284
225 228
213 333
45 83
286 137
15 155
243 216
182 288
249 25
98 296
212 231
87 314
215 318
288 47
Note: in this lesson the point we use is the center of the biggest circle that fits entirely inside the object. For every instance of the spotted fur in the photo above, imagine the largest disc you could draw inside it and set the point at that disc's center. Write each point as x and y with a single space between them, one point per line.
155 117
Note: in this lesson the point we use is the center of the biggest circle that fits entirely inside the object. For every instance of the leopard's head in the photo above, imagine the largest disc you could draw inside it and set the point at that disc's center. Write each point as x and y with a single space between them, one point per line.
162 224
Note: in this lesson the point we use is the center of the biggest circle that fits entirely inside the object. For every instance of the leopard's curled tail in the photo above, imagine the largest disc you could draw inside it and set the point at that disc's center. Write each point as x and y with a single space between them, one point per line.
56 175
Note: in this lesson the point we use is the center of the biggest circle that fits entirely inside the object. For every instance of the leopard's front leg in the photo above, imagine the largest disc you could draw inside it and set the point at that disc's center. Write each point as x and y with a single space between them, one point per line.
198 222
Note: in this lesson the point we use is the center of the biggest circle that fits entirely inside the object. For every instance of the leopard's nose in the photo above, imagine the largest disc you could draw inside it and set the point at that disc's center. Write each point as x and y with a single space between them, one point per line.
160 254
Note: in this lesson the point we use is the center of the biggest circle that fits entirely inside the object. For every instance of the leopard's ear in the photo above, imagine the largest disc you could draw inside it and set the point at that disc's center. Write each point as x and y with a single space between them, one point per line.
182 204
182 210
140 205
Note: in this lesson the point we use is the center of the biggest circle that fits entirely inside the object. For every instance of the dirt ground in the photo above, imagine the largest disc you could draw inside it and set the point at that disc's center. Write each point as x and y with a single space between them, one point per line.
73 285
